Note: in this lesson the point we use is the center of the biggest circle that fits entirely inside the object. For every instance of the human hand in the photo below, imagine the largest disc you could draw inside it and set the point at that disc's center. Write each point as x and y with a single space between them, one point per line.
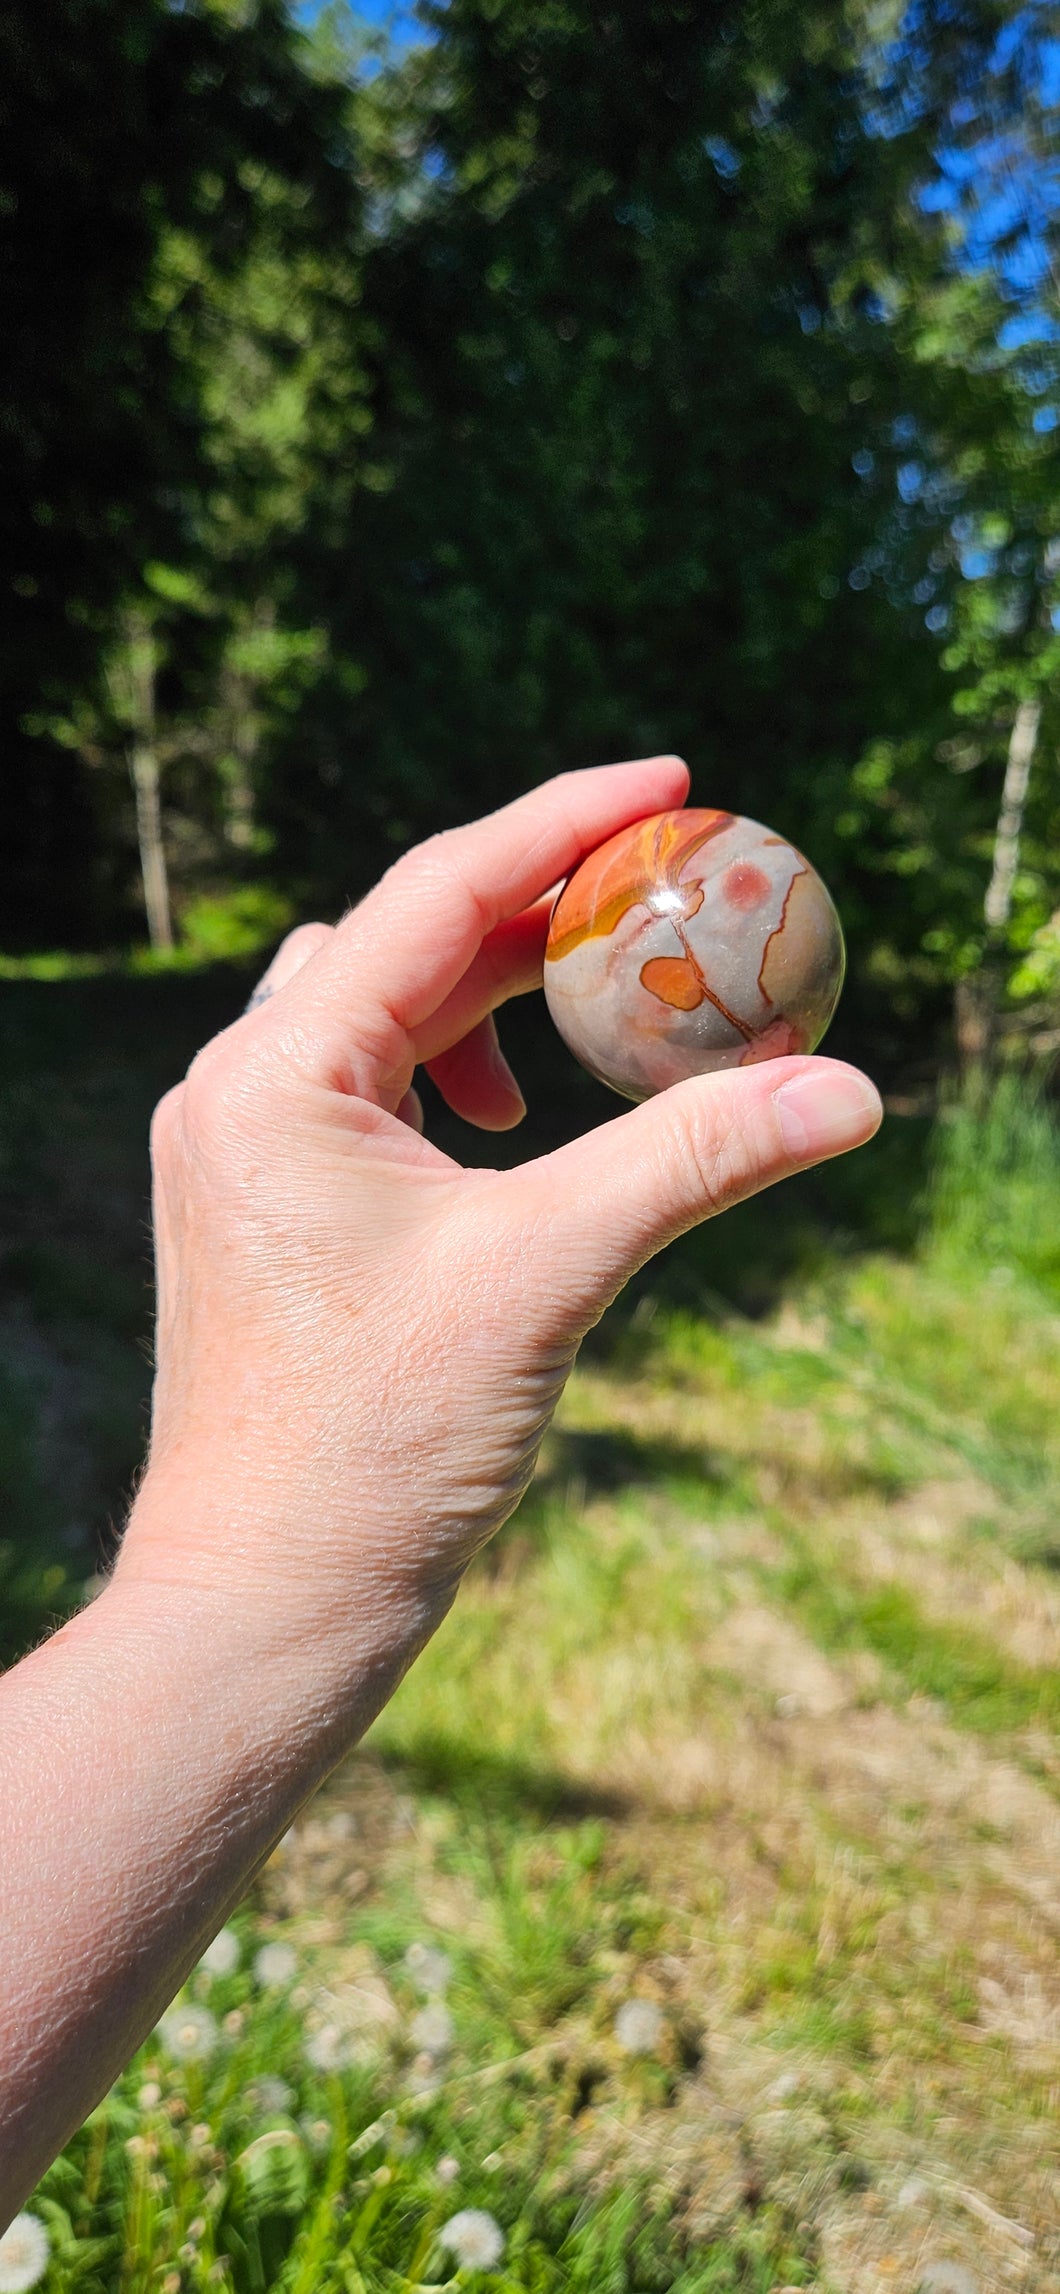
360 1344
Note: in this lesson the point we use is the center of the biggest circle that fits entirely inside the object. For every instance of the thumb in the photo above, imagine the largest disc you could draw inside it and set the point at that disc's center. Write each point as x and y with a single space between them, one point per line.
595 1210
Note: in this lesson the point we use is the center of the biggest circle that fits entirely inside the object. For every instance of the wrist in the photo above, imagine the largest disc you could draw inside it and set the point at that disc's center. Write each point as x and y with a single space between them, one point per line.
229 1578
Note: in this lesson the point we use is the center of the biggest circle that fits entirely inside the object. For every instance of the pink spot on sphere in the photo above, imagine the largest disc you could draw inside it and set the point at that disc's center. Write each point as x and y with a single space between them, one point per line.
745 887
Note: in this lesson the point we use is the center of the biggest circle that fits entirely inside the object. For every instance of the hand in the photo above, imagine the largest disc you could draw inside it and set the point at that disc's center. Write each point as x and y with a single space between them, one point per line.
360 1344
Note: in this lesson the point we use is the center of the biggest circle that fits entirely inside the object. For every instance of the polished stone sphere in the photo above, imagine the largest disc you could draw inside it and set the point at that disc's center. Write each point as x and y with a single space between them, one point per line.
691 941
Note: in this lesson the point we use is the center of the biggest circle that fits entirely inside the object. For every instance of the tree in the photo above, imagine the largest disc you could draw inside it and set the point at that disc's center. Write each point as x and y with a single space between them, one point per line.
126 126
651 294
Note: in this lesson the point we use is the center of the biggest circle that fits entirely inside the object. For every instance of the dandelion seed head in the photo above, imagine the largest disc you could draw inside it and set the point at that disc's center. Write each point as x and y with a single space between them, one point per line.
328 2049
275 1964
316 2132
23 2254
946 2278
224 1954
150 2096
474 2239
639 2026
234 2021
430 1969
270 2094
447 2170
189 2033
432 2031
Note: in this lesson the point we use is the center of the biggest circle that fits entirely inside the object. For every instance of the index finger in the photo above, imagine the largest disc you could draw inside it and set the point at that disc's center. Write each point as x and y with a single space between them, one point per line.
366 1001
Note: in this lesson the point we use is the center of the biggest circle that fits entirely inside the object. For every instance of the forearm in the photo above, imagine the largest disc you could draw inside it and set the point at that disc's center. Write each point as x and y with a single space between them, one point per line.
151 1754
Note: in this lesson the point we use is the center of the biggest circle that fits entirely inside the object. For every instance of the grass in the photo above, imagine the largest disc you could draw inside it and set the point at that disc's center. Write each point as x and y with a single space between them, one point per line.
748 1716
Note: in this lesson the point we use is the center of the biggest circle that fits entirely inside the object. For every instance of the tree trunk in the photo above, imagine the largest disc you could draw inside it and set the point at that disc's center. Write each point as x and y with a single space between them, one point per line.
145 779
132 673
1022 741
241 717
978 999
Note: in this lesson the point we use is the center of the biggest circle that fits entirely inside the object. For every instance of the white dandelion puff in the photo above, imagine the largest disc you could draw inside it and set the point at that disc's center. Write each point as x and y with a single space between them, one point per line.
270 2094
328 2049
23 2254
150 2096
432 2030
317 2132
639 2026
189 2033
275 1964
429 1968
223 1954
447 2170
946 2278
474 2239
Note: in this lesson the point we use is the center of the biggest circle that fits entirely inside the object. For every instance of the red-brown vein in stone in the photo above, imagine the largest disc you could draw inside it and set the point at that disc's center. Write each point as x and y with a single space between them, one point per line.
667 977
803 871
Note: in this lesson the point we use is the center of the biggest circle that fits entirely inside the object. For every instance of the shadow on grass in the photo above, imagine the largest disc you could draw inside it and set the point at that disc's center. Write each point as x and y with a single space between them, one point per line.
604 1463
495 1783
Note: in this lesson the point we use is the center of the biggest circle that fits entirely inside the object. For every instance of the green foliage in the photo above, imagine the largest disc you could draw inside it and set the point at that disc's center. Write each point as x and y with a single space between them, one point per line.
996 1182
235 924
396 427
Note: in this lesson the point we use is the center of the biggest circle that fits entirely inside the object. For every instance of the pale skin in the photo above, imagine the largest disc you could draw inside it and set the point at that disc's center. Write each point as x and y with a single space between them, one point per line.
359 1346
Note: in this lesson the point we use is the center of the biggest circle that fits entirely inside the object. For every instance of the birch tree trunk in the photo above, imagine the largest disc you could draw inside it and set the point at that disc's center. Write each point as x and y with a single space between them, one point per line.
133 683
1023 739
143 765
978 998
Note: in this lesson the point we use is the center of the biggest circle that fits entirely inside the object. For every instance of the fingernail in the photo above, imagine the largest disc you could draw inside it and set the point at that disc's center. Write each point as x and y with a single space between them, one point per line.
825 1111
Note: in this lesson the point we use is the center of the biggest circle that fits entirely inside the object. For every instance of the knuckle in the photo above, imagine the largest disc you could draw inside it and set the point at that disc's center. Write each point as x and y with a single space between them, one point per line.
220 1087
165 1122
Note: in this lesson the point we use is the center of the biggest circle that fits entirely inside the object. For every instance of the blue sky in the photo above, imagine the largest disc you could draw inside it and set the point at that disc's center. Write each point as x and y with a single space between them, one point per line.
371 12
400 22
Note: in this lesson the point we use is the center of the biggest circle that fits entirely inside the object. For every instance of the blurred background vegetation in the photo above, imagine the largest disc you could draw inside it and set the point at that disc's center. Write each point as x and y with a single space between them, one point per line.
393 413
394 409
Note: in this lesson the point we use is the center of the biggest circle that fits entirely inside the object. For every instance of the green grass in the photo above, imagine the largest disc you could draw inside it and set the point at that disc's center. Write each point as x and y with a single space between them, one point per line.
188 2171
749 1715
963 1669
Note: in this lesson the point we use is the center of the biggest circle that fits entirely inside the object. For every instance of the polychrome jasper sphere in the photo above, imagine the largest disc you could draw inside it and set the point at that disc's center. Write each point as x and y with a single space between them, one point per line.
691 941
